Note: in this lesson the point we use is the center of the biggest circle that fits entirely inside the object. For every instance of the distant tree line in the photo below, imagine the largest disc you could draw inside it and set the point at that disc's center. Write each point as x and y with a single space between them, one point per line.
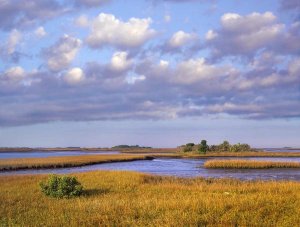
203 147
124 146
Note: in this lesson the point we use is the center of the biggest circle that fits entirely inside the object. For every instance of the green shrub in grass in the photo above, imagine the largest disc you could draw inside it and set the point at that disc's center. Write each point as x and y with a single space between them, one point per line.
61 187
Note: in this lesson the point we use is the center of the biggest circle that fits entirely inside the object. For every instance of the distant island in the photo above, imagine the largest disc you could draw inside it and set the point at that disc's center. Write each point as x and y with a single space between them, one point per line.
123 146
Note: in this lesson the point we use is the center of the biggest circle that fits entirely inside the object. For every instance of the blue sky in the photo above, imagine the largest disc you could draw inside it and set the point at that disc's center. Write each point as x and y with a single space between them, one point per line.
155 72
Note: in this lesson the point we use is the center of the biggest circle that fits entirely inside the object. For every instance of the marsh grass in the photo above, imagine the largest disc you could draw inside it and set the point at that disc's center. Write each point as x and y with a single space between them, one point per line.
65 161
248 164
132 199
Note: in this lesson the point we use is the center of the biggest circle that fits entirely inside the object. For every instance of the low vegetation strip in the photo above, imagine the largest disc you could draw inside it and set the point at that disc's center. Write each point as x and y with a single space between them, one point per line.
240 154
113 198
248 164
65 161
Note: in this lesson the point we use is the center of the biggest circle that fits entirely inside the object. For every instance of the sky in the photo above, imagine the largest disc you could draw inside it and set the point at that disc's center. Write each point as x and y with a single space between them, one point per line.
159 73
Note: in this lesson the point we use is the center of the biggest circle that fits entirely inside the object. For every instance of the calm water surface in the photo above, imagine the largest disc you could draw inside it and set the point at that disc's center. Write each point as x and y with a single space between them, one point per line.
181 168
280 150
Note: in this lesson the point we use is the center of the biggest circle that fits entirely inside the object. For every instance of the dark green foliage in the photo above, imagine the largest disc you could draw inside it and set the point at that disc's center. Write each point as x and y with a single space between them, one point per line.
227 147
61 187
203 147
188 147
223 147
239 147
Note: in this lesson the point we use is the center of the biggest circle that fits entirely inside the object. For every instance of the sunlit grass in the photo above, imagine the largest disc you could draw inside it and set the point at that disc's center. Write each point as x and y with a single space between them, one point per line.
65 161
249 164
133 199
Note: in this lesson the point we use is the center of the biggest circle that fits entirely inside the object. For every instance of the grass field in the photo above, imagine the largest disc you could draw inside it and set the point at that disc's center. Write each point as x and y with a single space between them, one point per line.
248 164
65 161
133 199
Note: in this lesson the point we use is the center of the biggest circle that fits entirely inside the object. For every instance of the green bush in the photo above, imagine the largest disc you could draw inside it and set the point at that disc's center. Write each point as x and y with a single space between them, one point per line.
61 187
203 147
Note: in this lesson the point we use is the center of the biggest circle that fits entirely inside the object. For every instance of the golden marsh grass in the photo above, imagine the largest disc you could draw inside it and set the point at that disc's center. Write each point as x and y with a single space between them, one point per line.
132 199
65 161
248 164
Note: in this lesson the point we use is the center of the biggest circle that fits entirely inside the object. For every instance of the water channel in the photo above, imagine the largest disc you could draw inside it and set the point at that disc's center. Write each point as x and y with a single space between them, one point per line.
181 168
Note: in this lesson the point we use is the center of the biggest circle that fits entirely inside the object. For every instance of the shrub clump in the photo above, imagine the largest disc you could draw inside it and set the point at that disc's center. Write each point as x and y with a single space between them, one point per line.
61 187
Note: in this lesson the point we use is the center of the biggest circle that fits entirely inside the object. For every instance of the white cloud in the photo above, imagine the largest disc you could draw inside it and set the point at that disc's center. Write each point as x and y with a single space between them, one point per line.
294 67
248 23
106 29
15 73
13 40
194 70
181 38
210 35
40 32
62 53
232 108
74 76
120 62
163 64
82 21
135 78
244 35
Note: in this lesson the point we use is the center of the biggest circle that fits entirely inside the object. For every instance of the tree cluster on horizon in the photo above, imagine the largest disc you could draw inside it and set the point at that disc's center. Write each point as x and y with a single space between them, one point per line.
203 147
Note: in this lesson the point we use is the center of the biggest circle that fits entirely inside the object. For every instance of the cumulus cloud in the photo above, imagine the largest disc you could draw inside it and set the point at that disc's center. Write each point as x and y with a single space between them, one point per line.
16 77
210 35
15 73
13 40
157 90
82 21
183 43
244 35
106 29
74 76
194 70
120 62
135 78
62 53
9 49
181 38
40 32
294 67
165 79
